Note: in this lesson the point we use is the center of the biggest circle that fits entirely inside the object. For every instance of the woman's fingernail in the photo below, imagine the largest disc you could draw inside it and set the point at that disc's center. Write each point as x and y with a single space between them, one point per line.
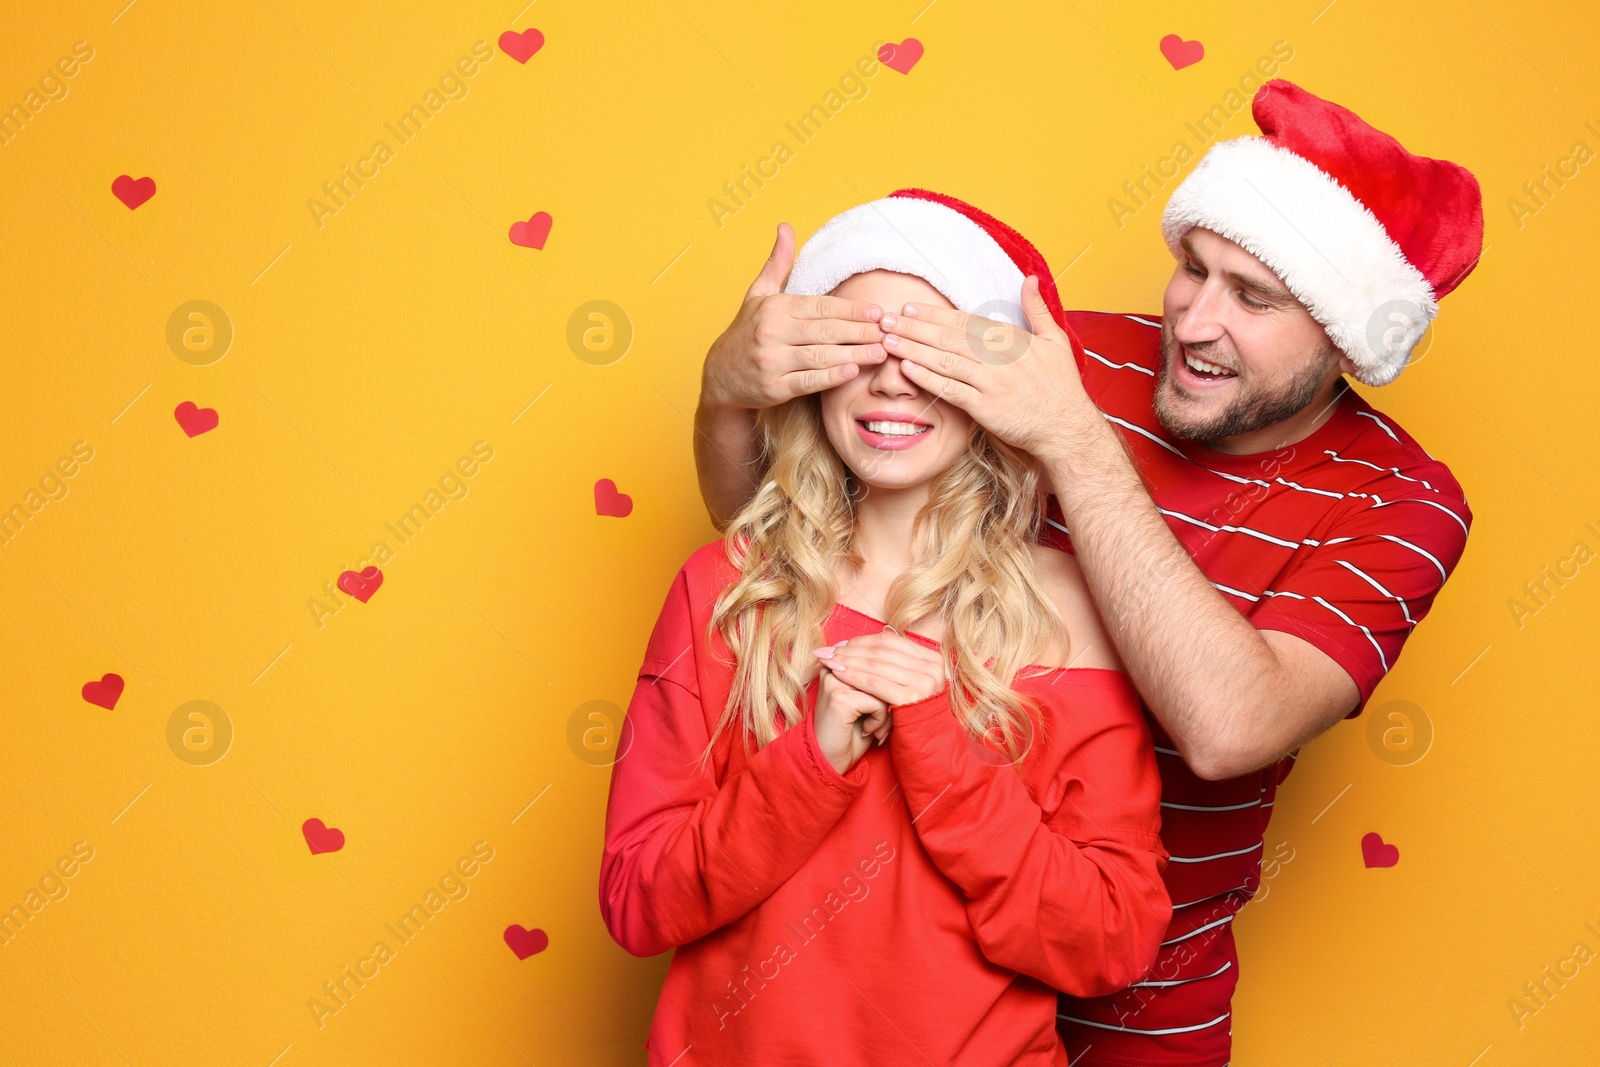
887 322
826 652
910 311
891 341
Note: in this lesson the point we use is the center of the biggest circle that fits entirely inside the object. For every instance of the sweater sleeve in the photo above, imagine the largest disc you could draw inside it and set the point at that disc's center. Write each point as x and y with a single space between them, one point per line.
1068 891
691 847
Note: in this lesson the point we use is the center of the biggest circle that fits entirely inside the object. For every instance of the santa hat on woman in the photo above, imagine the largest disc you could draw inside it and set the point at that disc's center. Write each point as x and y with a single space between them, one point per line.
1365 234
976 261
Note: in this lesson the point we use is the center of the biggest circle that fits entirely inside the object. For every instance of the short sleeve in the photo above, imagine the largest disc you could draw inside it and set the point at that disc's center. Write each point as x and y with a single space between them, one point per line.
1359 593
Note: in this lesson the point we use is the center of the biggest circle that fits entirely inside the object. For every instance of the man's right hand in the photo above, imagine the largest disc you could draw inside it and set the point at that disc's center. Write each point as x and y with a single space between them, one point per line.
781 345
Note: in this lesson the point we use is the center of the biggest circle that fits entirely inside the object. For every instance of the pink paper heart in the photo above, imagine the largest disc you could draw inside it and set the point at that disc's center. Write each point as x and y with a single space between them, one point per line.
1181 53
521 46
609 501
322 838
104 692
901 57
362 585
1374 853
534 232
133 191
526 943
195 420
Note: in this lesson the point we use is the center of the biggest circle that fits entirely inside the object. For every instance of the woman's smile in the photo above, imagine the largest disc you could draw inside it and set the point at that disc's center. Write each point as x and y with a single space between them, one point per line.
892 430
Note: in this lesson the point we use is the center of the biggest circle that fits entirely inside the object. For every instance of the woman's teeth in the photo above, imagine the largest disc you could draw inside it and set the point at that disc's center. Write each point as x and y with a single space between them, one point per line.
1200 366
896 429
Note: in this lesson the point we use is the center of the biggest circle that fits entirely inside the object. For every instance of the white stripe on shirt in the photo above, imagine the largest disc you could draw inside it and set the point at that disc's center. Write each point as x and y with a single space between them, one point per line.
1146 433
1384 660
1213 896
1391 470
1374 583
1212 807
1135 1030
1381 424
1199 930
1119 366
1182 981
1430 503
1229 528
1429 556
1215 855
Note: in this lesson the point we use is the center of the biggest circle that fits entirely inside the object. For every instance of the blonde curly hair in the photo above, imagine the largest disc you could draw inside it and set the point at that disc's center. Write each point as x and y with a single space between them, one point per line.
974 569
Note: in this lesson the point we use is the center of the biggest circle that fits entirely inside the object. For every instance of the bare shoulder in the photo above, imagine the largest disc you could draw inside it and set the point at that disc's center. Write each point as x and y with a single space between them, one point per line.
1063 581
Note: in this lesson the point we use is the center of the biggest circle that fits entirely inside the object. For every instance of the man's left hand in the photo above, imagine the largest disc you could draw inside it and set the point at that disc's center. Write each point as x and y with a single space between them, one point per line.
1023 386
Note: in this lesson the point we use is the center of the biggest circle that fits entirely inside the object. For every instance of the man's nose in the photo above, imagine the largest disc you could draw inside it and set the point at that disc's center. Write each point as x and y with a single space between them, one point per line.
1201 320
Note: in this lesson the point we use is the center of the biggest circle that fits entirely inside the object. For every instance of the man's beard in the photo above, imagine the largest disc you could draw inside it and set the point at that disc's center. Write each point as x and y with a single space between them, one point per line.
1251 408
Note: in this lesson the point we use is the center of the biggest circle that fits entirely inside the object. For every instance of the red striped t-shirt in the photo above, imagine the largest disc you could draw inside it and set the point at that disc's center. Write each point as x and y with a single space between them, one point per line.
1343 539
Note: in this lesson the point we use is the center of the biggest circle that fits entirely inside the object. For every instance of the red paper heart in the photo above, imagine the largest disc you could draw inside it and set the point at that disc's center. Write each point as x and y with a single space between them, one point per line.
133 191
363 585
901 57
532 234
521 46
526 943
608 501
104 692
322 838
1181 53
1374 853
195 420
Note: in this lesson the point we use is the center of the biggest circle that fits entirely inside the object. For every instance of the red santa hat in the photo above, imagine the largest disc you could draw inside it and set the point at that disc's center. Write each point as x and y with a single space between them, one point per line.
1365 234
976 261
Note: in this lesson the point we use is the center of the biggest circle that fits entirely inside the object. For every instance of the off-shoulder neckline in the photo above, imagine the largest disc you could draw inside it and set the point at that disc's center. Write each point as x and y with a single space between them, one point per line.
931 643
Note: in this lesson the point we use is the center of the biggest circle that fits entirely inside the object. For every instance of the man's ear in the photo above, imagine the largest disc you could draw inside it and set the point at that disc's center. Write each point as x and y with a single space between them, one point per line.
1345 365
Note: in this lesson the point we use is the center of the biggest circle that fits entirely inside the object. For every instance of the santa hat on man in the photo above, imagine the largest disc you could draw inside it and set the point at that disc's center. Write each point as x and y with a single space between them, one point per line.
1365 234
976 261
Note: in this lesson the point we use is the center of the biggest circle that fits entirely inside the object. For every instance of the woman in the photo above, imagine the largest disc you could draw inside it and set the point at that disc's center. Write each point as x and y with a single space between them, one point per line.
888 788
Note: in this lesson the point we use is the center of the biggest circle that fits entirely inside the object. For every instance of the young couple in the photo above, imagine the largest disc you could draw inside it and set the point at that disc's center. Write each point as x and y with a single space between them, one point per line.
959 747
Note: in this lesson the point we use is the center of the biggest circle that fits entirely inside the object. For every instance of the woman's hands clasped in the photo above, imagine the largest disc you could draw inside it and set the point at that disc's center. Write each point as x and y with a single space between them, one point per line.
863 678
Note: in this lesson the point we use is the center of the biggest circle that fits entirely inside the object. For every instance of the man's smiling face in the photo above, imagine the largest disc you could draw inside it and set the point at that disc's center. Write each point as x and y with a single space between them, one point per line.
1226 309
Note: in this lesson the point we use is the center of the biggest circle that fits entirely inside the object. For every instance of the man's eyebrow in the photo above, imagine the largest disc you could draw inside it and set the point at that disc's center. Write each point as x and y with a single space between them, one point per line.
1266 289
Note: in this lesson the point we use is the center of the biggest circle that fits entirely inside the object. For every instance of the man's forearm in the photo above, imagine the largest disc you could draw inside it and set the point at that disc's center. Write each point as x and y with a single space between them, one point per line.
1205 672
727 458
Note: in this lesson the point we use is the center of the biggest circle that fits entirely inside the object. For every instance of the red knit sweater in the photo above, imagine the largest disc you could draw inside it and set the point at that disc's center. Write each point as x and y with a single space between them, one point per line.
922 907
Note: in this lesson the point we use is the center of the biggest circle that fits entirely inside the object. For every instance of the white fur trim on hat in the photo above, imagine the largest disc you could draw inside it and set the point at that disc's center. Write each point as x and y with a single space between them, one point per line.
918 237
1327 247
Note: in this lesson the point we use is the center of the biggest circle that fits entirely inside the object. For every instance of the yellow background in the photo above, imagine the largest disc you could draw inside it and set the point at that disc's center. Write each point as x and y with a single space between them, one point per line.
372 352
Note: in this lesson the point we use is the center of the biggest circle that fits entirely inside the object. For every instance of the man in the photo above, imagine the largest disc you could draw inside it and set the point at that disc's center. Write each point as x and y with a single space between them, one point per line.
1258 538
